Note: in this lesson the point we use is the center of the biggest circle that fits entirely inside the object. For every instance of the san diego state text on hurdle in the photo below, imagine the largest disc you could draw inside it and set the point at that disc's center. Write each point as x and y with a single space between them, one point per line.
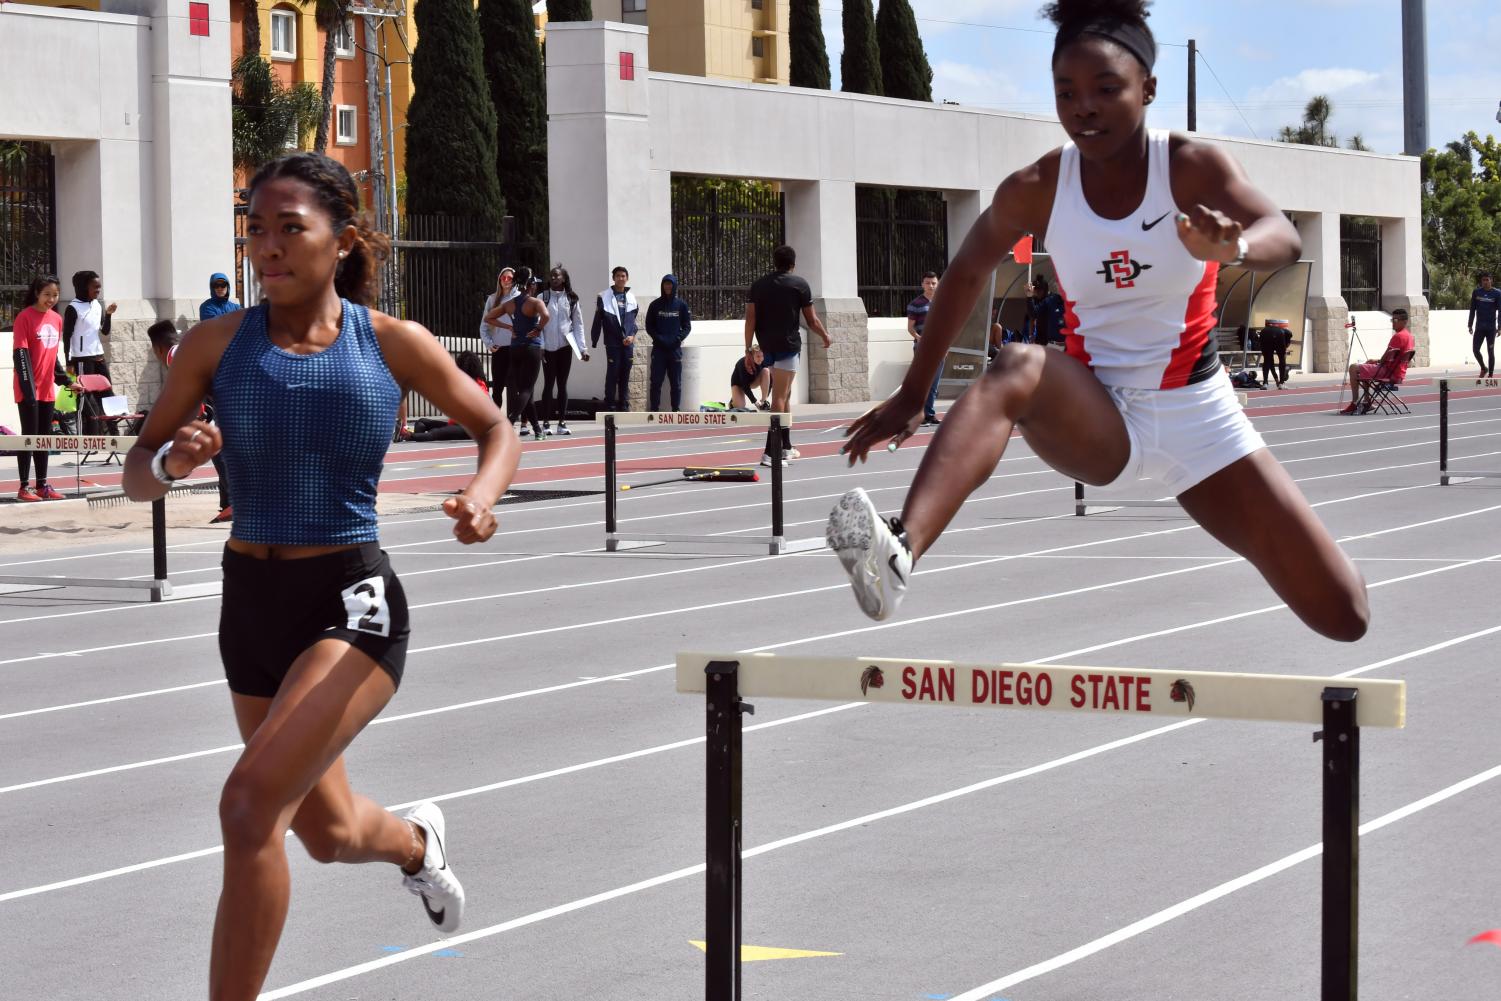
1123 692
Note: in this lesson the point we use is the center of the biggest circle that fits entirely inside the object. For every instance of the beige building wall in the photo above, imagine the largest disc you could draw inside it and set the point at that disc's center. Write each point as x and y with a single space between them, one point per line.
743 40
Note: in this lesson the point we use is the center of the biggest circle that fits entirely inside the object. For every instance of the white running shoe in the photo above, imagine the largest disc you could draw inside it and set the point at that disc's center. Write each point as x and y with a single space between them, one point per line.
874 553
794 454
765 458
786 459
563 430
442 896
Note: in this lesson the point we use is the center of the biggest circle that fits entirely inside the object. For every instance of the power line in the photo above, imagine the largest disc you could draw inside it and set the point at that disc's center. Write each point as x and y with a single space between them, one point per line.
1217 80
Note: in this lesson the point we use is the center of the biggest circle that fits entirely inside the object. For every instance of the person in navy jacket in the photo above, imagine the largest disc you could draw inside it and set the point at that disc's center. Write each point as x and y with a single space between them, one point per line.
1484 304
668 322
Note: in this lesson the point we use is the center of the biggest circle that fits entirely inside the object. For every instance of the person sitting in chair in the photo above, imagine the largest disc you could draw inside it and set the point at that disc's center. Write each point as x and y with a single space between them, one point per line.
1391 368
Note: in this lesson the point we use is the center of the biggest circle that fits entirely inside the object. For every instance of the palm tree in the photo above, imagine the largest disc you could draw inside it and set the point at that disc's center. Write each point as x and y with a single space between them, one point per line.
1316 117
330 15
250 28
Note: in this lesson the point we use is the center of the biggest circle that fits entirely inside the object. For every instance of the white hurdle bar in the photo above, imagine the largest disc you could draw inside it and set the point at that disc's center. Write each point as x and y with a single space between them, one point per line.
1445 474
1081 506
159 587
1341 706
776 543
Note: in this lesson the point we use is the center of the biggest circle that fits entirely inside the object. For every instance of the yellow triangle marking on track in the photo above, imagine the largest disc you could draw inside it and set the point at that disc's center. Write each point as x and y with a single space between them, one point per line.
754 953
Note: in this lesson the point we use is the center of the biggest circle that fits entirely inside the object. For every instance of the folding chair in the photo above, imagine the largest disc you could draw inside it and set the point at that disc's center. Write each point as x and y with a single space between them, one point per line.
98 406
1381 394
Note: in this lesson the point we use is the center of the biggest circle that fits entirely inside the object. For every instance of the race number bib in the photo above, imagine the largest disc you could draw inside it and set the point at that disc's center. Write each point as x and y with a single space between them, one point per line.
365 603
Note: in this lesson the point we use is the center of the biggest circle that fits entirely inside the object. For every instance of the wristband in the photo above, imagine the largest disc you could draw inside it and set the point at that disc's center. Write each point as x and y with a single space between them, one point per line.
159 466
1242 249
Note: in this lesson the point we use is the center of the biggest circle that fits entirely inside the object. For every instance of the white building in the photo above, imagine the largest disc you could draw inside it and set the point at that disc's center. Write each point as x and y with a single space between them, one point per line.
134 100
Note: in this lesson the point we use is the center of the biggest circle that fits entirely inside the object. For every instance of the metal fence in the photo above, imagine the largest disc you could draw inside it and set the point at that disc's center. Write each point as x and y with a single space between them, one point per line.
1360 261
899 234
28 222
723 233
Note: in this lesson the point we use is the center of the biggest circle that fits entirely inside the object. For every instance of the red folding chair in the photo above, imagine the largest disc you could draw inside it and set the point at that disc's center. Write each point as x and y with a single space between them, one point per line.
93 388
1382 393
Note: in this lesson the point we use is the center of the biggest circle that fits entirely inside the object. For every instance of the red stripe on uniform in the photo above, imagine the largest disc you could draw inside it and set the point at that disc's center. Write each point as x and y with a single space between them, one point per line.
1073 341
1198 321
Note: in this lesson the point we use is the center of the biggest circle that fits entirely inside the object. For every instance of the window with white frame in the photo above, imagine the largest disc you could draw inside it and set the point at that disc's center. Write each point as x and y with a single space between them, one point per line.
344 39
346 123
633 6
283 34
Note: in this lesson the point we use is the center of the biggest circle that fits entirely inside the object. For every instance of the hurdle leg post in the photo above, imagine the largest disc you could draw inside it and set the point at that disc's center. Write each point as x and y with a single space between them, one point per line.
723 827
1079 506
1341 878
161 589
776 485
610 486
1443 432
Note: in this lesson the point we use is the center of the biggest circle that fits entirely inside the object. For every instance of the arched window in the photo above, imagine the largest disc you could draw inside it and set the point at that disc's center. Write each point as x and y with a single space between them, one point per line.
283 33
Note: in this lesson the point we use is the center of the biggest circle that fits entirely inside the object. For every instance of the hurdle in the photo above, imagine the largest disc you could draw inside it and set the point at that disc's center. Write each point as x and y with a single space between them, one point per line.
1444 472
159 587
1082 506
776 543
1340 706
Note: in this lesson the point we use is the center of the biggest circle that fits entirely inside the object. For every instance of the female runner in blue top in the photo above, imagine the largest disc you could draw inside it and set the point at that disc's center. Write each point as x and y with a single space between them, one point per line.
313 626
1138 223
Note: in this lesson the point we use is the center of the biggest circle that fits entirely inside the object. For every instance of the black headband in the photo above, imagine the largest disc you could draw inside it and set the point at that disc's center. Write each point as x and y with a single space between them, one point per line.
1134 38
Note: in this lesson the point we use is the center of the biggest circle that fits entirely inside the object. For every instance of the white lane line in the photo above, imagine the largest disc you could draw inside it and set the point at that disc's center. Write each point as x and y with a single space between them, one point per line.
112 698
979 994
1178 910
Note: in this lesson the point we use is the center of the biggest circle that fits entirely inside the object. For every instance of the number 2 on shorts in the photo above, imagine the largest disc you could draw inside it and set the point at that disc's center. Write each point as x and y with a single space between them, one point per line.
365 602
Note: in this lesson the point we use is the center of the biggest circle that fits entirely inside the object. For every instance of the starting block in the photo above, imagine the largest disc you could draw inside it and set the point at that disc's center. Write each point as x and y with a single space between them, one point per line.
1342 706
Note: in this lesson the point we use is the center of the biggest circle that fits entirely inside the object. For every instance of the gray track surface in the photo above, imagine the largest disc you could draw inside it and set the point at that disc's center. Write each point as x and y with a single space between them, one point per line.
539 702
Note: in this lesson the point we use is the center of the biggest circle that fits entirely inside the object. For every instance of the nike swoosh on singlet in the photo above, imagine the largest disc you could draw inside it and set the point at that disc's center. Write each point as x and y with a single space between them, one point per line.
1148 225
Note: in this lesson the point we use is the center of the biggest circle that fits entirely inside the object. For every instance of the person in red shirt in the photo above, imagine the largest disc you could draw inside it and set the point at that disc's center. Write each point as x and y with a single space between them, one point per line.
1391 368
38 335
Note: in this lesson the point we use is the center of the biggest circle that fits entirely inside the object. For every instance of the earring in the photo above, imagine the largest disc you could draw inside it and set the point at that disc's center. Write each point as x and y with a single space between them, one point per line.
342 253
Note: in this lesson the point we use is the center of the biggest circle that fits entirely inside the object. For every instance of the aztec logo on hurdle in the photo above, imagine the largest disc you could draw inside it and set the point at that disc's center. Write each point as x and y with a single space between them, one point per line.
694 418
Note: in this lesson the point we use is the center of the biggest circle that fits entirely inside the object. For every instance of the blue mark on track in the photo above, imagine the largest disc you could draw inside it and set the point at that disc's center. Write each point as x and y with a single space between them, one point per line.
393 948
449 954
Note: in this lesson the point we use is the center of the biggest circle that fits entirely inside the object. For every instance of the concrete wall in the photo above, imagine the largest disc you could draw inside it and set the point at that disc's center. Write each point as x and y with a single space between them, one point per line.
614 146
137 111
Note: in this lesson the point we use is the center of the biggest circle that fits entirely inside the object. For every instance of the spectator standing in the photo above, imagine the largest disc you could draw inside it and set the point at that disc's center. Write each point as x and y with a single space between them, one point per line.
528 316
562 341
917 317
772 309
1484 303
749 375
37 339
86 322
1044 314
668 322
163 337
1391 368
218 302
497 336
615 313
1275 338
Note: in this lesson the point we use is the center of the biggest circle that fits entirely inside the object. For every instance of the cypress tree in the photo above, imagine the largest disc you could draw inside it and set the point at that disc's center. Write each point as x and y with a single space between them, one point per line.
810 60
860 64
451 156
513 66
905 72
569 10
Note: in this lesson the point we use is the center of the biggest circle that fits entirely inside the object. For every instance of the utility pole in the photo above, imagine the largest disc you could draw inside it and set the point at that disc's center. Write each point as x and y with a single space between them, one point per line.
1414 78
1193 85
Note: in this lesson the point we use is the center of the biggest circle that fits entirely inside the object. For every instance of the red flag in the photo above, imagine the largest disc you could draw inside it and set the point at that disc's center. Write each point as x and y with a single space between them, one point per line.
1022 252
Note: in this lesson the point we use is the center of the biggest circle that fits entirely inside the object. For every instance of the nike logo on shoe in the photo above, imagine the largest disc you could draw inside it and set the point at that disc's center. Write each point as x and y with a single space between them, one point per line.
1148 225
891 562
436 916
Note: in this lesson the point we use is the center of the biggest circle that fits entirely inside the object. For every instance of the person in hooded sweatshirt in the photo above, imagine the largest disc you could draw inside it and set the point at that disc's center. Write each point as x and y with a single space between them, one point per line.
218 302
668 322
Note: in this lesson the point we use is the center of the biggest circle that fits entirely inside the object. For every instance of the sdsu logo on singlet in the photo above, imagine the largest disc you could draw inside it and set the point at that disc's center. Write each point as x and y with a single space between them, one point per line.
1139 309
1121 269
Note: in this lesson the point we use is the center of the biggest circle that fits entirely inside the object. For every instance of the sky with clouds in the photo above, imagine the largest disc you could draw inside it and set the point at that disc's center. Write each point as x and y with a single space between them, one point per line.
1261 60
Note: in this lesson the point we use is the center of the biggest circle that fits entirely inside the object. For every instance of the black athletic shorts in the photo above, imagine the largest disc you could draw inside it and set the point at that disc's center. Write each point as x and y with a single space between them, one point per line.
273 610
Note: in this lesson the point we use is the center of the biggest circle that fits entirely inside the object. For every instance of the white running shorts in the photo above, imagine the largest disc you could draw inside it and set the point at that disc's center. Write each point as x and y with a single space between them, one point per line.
1181 437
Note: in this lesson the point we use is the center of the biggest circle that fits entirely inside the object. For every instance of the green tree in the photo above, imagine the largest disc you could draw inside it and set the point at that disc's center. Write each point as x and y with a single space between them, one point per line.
513 67
809 57
266 116
569 10
451 156
905 72
860 63
250 29
1461 203
331 15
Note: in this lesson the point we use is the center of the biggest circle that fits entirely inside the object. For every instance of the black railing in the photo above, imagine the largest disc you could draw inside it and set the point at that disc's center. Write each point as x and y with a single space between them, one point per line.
900 233
723 233
28 222
1360 262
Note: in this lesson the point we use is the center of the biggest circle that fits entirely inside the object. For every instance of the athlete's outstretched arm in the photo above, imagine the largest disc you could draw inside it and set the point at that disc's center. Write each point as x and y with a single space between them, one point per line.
989 240
1220 204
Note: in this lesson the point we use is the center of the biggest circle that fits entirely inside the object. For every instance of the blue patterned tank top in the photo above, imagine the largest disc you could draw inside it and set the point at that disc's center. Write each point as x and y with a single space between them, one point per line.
524 332
305 436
